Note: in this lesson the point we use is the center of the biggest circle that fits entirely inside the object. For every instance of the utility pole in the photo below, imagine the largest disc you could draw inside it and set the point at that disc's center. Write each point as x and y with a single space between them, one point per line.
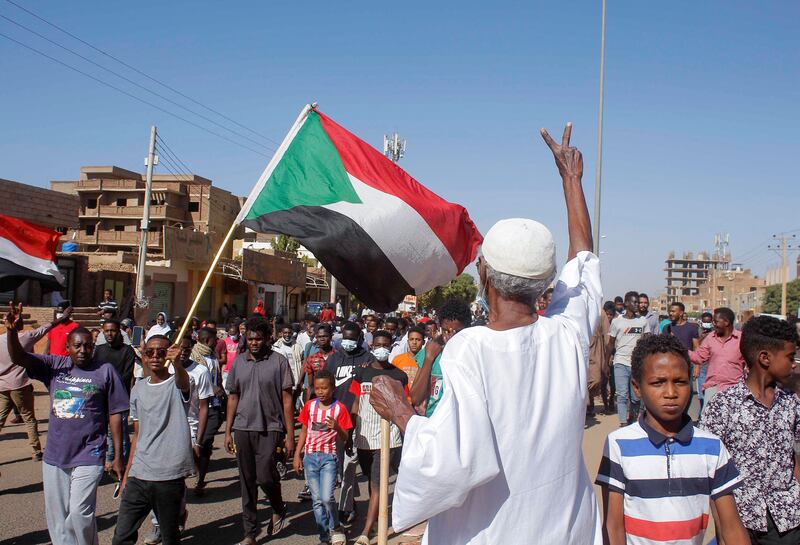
784 249
599 167
393 147
150 161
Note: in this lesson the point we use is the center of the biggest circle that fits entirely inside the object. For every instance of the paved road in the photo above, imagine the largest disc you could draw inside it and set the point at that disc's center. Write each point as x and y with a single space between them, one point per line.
215 518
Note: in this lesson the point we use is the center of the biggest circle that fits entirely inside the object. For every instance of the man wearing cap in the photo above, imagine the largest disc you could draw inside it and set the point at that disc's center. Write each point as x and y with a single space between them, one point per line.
500 460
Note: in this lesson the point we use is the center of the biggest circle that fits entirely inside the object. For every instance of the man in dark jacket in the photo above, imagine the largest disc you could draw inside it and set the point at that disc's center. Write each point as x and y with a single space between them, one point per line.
123 358
343 364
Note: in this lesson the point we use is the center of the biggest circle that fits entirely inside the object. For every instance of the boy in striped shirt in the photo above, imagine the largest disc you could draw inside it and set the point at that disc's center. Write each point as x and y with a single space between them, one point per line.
324 419
658 474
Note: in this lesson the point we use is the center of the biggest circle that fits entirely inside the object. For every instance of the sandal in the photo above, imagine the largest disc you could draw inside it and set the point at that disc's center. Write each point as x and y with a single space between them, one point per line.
361 540
274 529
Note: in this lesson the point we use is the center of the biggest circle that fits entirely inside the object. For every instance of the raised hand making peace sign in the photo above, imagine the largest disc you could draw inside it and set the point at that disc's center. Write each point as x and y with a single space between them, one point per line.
568 159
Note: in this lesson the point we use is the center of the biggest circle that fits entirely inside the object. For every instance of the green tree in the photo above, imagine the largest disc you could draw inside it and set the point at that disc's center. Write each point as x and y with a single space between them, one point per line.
283 243
461 287
772 298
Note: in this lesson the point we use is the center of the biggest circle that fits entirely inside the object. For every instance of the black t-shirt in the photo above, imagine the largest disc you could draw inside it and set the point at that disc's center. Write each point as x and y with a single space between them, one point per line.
363 376
343 366
123 359
685 333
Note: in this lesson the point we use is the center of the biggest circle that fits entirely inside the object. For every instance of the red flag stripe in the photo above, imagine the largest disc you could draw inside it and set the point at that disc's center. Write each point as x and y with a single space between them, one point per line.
666 531
32 239
450 222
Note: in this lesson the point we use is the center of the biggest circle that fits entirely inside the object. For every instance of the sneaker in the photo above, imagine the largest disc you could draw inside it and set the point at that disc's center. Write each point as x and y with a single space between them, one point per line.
305 494
154 537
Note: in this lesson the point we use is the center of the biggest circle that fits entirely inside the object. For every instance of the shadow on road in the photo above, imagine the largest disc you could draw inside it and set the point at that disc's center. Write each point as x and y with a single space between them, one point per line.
25 489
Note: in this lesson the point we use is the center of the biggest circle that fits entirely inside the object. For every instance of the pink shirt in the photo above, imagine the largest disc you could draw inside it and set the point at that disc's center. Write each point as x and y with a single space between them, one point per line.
233 350
14 377
725 361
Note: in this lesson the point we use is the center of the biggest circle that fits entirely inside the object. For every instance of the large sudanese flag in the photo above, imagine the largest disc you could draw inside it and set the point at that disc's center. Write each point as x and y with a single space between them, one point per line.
28 252
381 233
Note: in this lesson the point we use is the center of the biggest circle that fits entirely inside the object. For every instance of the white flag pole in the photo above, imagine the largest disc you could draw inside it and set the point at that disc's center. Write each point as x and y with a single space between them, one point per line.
262 181
244 211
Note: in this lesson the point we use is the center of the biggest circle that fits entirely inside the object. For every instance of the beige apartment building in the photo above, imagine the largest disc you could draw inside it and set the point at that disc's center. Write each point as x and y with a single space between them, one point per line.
735 288
189 218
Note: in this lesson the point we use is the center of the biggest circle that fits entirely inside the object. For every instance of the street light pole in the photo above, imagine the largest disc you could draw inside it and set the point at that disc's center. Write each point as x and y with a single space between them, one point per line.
599 167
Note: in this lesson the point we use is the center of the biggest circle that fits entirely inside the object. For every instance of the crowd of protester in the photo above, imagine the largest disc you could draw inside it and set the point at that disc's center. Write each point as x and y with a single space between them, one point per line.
145 407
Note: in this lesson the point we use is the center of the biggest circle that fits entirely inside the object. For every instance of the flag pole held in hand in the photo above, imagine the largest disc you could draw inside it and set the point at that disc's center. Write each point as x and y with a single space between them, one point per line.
383 499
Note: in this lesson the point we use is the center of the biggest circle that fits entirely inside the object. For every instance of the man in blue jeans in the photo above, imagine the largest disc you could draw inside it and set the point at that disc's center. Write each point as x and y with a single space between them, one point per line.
626 330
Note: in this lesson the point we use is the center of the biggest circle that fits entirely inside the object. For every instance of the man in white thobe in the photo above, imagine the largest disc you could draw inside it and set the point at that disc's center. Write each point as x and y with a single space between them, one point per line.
500 461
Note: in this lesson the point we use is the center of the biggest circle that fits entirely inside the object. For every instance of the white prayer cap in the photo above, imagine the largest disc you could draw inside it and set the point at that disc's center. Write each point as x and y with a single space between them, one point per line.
520 247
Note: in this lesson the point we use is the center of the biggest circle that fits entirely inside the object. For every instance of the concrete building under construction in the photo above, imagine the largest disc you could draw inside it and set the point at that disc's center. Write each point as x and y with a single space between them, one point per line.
685 274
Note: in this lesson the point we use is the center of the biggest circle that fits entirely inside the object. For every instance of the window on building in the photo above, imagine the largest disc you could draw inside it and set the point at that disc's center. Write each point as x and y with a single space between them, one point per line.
122 202
119 228
194 206
91 203
62 230
90 230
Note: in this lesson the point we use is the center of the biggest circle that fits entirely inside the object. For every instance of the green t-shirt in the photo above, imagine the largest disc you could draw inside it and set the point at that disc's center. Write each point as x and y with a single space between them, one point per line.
437 383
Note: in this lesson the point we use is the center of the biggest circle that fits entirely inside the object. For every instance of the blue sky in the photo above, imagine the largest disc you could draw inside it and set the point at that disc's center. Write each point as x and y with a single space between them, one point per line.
700 122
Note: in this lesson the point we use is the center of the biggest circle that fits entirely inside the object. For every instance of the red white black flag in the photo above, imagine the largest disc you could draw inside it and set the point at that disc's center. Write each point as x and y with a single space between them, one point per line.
28 252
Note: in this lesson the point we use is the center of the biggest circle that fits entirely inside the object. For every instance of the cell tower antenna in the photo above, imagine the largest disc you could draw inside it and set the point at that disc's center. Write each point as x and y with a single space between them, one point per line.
393 147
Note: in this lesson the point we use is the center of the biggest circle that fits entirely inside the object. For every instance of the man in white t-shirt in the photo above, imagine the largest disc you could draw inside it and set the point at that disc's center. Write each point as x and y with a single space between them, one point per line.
626 330
500 459
202 390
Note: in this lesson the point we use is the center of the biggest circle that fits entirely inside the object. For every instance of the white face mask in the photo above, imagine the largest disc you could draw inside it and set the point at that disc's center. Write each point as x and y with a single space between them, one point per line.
381 353
349 345
59 315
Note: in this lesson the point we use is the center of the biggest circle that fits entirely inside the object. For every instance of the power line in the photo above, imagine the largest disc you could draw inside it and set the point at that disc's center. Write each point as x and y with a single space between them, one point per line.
133 82
151 78
164 157
173 154
143 101
168 169
166 163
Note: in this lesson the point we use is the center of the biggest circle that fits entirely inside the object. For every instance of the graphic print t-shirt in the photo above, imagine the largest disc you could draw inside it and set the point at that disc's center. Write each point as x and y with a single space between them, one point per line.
368 427
319 437
81 401
627 333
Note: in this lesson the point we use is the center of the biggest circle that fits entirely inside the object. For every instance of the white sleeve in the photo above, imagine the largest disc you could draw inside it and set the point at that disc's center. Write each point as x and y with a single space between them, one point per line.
447 455
204 387
396 351
613 330
578 295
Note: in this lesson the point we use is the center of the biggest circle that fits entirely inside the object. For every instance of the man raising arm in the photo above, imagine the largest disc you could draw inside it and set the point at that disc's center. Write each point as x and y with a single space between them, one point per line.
514 392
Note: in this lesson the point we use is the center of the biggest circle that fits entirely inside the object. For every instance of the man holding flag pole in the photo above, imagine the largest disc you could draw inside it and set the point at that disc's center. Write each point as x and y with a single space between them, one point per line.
479 472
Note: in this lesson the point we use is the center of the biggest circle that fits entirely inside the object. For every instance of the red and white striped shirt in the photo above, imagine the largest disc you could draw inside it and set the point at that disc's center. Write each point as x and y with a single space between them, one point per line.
319 437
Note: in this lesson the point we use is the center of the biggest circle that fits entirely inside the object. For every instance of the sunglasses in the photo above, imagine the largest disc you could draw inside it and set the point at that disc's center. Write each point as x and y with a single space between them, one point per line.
151 352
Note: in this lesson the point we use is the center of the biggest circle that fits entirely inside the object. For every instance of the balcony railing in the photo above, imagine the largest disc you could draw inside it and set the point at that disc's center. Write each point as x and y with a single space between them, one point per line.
157 211
119 238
